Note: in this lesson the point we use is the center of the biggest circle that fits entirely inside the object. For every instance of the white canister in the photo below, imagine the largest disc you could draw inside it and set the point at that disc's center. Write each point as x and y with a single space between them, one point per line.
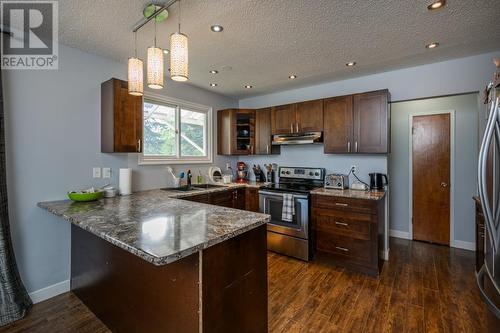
227 179
125 181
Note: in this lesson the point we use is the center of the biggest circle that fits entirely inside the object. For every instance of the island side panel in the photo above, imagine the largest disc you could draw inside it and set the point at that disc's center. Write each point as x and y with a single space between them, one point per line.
130 294
234 284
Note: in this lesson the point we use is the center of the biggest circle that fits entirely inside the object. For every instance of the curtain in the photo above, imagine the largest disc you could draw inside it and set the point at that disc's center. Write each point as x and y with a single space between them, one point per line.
14 300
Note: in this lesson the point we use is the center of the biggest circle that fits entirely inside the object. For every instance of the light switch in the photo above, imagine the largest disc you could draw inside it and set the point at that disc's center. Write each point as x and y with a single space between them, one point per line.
106 172
96 172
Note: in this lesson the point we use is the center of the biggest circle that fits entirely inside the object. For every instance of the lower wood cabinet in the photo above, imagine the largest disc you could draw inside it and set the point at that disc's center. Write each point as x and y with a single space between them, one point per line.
252 199
350 231
231 198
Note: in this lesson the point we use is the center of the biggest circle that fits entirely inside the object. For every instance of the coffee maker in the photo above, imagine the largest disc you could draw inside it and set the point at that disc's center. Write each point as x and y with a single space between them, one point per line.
242 172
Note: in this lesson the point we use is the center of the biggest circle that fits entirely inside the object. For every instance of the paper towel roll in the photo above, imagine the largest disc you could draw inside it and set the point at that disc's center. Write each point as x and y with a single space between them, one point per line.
125 181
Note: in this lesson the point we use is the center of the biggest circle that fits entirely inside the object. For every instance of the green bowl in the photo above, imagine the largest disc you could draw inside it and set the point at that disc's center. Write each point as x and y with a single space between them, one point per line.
85 196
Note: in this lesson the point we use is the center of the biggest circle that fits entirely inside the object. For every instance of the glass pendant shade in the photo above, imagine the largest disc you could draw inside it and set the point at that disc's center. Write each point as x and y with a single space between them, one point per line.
155 68
179 69
135 77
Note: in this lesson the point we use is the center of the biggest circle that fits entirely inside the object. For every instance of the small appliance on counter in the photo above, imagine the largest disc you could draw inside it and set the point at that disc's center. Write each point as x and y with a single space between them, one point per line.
337 181
242 173
378 181
215 175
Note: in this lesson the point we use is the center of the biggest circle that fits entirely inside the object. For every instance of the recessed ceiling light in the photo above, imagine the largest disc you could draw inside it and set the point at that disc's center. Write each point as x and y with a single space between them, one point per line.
351 63
217 28
436 5
248 86
213 84
165 51
293 76
213 71
432 45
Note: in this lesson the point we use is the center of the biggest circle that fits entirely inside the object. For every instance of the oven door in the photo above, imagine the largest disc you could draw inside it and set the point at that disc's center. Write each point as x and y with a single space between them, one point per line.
272 203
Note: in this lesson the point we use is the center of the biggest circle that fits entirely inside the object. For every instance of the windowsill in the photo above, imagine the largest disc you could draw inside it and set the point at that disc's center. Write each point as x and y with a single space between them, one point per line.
164 161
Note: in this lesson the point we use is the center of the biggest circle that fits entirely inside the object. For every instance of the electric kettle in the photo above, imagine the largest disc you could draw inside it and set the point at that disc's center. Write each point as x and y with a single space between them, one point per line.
378 181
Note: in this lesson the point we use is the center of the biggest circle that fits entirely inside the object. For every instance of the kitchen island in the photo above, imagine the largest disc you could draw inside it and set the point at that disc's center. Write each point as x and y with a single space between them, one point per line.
152 263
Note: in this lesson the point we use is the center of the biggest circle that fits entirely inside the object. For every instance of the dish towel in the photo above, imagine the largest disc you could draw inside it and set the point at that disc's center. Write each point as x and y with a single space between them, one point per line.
288 210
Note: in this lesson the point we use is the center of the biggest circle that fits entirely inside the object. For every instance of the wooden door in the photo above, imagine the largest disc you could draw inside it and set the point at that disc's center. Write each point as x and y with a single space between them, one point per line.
309 116
263 135
431 178
283 120
371 122
338 120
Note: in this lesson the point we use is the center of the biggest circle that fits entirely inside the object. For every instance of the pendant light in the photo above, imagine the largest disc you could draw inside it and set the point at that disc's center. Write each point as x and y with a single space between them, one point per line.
179 68
155 66
135 73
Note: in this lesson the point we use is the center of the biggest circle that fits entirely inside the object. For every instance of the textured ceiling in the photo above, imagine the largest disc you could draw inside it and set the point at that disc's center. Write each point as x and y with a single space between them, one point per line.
266 40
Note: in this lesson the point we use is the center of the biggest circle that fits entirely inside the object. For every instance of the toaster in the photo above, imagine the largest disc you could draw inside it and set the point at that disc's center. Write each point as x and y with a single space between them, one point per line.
337 181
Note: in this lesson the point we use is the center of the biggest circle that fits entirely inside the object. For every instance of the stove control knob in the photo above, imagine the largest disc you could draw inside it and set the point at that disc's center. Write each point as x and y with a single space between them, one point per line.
288 172
316 173
311 173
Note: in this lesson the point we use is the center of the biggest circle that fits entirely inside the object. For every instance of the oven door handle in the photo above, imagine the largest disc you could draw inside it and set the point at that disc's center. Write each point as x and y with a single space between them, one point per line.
276 194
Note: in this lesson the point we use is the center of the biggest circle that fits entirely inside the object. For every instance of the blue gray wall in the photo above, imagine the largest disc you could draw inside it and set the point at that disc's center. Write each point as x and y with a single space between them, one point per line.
53 141
465 163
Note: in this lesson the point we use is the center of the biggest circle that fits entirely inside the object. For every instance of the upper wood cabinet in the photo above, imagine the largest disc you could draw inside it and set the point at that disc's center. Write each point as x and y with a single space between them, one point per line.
121 118
338 121
357 123
297 118
263 137
283 119
235 132
371 122
309 116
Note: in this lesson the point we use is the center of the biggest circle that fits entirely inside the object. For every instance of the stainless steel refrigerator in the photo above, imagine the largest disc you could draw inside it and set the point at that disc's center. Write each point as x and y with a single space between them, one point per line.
488 277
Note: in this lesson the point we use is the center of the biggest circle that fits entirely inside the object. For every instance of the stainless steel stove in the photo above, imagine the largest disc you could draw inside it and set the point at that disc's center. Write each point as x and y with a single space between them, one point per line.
291 238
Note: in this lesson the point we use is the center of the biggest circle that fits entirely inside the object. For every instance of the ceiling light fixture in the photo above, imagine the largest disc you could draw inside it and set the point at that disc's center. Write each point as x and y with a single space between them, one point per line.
432 45
155 66
179 67
436 5
351 64
166 51
217 28
213 71
213 84
248 86
293 76
135 73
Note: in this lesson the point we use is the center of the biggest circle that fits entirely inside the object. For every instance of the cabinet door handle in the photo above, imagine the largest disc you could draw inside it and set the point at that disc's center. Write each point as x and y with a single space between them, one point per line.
267 149
341 223
291 127
341 204
348 146
356 146
297 127
342 248
139 145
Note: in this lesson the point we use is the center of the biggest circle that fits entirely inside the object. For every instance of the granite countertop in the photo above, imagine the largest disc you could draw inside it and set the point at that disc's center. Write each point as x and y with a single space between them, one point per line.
155 226
348 193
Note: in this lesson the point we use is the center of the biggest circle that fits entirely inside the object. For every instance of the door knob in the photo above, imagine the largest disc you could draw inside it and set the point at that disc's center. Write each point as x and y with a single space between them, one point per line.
443 184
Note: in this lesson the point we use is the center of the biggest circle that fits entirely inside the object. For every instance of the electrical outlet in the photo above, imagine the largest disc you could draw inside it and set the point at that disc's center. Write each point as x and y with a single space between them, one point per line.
106 172
96 172
354 168
228 166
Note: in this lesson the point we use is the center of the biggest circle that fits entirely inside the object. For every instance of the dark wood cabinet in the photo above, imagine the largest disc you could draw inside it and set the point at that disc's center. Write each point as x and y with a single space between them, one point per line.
283 119
309 116
480 234
263 137
371 122
121 118
252 199
338 125
350 231
235 132
231 198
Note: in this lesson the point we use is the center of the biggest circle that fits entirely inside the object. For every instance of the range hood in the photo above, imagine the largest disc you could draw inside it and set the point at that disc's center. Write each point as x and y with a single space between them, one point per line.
298 138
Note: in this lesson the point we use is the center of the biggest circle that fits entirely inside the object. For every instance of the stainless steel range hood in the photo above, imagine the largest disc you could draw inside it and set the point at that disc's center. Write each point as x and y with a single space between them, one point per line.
298 138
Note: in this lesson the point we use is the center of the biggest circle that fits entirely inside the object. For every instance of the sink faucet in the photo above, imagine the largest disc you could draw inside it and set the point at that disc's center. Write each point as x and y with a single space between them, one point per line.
189 176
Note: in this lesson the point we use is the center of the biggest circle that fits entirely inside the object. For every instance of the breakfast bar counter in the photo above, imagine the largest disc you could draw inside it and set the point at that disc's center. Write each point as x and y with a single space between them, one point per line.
168 265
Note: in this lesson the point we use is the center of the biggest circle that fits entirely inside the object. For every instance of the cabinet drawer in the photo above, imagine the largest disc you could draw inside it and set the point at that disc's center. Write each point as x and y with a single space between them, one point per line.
346 204
342 223
352 249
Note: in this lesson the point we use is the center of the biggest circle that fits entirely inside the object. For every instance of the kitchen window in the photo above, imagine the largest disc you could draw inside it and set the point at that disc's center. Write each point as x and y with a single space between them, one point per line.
175 132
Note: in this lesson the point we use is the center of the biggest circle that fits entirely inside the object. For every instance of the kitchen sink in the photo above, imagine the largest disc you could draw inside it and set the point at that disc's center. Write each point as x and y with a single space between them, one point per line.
184 188
206 186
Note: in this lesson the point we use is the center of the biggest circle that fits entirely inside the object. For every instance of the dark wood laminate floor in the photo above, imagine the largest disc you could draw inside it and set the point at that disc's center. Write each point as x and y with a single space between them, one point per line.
423 288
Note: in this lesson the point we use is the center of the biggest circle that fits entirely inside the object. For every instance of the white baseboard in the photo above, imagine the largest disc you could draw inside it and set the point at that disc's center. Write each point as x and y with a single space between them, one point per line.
41 295
399 234
464 245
